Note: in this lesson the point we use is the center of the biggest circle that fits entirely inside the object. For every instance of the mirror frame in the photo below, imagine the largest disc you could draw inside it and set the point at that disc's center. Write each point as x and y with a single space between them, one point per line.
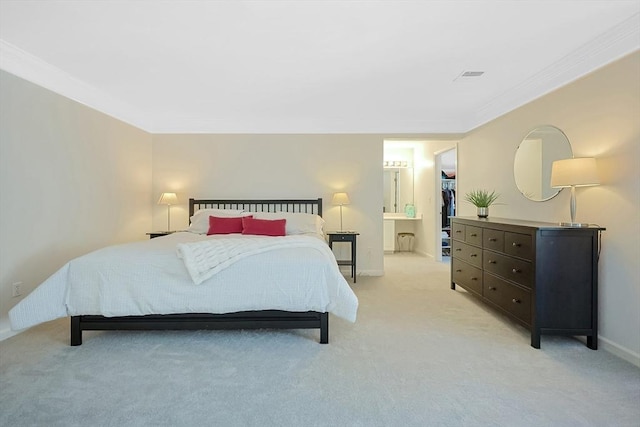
549 161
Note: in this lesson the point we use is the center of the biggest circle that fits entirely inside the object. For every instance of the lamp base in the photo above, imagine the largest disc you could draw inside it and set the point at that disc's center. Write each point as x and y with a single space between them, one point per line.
574 224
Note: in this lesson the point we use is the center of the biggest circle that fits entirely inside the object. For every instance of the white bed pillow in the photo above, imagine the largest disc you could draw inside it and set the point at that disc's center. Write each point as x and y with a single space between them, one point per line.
297 223
200 219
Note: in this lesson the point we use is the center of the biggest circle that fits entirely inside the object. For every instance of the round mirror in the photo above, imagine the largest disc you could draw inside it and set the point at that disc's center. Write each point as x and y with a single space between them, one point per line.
532 163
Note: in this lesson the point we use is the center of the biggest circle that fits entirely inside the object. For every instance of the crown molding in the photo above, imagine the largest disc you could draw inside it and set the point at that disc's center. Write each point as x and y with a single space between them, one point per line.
33 69
613 44
201 125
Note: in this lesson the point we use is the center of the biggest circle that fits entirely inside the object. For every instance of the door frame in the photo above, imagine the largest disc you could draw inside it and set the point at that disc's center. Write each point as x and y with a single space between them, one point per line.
437 231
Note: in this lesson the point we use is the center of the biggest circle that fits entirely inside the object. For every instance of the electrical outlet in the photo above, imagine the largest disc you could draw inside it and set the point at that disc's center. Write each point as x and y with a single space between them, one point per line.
16 289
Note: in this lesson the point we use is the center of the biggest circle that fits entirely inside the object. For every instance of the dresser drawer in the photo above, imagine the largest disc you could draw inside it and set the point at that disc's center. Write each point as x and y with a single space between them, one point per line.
467 253
473 235
457 231
511 298
493 239
509 268
467 276
519 245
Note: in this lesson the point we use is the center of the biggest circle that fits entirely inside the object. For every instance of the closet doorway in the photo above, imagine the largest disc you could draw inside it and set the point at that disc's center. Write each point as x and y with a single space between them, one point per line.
446 168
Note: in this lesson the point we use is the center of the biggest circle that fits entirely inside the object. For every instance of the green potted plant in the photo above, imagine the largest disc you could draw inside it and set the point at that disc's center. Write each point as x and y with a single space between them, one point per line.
481 199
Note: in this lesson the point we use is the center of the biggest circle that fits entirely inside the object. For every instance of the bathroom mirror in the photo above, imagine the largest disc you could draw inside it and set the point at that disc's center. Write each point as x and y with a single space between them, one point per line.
398 189
533 159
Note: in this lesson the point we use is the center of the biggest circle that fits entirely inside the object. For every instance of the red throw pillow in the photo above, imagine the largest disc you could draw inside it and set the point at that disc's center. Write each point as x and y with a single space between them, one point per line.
225 225
264 227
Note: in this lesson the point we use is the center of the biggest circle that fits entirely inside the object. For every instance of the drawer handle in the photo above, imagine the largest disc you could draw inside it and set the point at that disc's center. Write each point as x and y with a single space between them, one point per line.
458 231
492 261
474 278
492 288
474 235
473 255
458 271
516 271
516 245
516 301
458 249
493 239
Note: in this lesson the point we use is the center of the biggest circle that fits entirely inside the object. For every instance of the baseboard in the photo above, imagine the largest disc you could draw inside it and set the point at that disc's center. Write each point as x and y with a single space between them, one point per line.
371 273
424 254
7 333
421 253
617 350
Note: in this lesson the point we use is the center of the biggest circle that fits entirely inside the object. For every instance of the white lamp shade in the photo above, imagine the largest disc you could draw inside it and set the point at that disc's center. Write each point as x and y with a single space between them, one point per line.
340 199
168 199
579 172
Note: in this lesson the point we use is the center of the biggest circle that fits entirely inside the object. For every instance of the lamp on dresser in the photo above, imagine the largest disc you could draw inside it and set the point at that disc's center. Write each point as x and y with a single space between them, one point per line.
574 172
168 199
340 199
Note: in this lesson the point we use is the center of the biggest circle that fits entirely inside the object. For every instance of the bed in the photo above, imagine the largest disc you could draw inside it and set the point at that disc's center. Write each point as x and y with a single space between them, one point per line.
150 285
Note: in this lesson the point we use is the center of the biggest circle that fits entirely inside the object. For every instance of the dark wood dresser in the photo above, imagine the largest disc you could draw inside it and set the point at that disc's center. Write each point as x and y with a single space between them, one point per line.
542 275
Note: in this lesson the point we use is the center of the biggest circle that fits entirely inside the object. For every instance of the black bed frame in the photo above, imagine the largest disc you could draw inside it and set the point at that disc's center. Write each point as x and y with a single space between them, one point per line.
274 319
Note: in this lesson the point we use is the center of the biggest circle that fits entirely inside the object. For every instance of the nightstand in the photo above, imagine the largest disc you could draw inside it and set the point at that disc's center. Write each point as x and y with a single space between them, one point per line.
347 237
154 234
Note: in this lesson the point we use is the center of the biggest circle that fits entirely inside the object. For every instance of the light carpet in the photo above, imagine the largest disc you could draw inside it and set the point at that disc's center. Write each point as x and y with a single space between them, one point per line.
419 354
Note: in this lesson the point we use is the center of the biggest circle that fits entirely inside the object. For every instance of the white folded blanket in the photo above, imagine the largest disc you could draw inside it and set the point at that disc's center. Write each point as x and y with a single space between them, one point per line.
205 258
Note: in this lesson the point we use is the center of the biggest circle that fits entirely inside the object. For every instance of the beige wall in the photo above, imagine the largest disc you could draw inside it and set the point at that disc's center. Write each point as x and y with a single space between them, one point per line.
278 166
71 180
308 166
600 114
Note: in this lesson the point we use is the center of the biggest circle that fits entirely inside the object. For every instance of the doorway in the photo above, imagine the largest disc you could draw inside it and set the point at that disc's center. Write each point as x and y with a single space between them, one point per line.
446 168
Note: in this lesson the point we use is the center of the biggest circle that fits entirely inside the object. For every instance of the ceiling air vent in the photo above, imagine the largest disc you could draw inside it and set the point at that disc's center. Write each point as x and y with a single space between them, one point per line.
468 75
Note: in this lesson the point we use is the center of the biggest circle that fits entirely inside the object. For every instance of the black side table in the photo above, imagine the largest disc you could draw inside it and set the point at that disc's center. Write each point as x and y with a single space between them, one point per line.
349 237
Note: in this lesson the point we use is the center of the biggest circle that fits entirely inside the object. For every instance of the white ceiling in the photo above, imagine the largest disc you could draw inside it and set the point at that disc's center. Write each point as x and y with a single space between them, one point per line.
311 66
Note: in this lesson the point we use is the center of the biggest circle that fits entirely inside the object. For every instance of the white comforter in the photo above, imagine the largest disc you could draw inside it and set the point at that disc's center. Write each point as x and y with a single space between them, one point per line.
148 277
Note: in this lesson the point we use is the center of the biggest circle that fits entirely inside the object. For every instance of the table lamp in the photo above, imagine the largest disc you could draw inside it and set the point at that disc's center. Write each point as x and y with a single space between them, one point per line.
168 199
575 172
340 199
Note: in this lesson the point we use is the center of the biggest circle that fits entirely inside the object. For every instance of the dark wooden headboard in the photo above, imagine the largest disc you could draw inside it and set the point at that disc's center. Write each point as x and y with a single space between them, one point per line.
310 206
